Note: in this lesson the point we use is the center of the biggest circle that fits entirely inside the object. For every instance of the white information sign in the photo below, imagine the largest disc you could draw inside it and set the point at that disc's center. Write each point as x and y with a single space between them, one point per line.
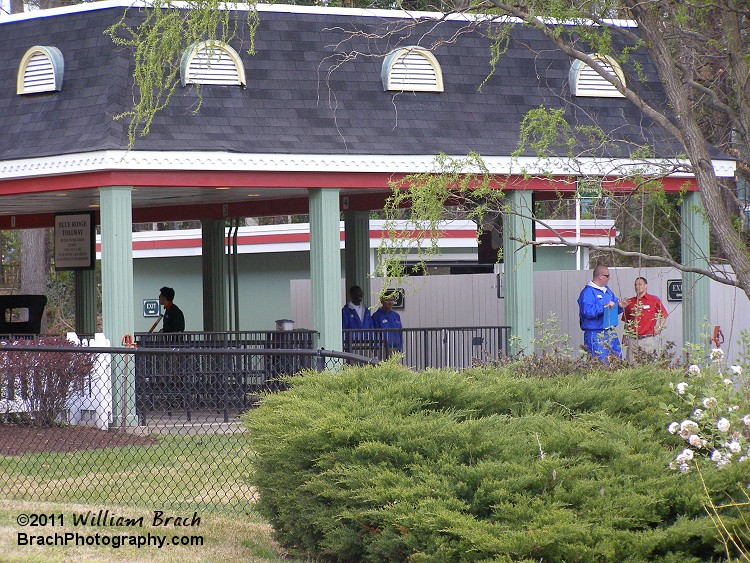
74 241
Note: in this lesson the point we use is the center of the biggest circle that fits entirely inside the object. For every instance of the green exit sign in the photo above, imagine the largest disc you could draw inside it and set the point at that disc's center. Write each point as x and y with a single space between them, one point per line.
151 308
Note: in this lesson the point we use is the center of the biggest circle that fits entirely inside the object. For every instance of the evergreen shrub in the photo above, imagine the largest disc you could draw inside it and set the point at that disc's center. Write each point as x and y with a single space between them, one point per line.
385 464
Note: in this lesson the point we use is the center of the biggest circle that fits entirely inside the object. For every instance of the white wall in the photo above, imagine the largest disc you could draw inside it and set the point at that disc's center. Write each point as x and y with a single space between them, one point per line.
471 300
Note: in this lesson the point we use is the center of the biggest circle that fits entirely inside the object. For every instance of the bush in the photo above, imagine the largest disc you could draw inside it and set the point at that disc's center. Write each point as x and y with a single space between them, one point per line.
384 464
45 381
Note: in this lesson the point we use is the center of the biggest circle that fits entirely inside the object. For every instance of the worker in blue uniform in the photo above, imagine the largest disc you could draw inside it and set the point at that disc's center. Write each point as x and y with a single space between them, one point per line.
598 311
386 318
355 315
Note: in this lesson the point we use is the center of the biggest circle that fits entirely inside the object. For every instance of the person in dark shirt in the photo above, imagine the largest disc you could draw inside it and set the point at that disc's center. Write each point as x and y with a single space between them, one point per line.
174 320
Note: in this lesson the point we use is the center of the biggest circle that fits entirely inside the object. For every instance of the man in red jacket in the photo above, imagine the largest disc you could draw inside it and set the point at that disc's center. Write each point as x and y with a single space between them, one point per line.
645 318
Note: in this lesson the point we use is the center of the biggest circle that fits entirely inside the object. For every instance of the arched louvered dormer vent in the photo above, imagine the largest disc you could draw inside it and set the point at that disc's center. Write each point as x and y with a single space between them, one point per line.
411 69
212 63
41 70
585 81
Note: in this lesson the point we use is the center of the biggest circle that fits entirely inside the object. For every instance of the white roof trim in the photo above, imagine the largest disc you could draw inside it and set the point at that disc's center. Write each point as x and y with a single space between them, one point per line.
225 161
279 8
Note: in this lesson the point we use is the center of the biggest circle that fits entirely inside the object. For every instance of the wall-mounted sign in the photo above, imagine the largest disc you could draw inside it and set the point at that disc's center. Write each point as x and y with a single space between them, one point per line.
400 296
74 241
151 308
674 290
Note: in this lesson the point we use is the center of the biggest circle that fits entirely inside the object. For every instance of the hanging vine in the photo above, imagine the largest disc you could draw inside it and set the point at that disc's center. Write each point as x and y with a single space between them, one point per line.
456 188
165 29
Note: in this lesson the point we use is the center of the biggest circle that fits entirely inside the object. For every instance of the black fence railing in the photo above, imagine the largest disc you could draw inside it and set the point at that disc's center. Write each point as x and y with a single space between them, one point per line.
220 371
244 340
184 381
446 347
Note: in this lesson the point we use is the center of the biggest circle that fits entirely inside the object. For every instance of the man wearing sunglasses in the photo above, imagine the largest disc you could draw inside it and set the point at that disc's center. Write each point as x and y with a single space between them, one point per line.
598 310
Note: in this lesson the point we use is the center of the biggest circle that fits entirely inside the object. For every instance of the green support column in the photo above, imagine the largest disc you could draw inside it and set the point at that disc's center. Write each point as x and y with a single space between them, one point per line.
696 300
325 266
86 302
118 309
214 276
357 251
519 272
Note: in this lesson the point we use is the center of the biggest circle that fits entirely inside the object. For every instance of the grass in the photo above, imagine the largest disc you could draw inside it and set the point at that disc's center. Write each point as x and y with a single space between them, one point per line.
225 538
181 475
200 472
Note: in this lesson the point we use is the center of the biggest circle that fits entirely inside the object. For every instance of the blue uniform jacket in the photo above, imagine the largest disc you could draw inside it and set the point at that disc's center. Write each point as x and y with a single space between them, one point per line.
391 319
350 318
591 303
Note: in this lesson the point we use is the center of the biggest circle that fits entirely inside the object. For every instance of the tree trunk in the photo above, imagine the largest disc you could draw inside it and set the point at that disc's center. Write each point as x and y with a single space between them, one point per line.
696 147
34 265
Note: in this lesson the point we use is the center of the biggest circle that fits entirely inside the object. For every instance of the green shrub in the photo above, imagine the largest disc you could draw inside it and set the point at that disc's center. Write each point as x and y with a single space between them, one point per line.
384 464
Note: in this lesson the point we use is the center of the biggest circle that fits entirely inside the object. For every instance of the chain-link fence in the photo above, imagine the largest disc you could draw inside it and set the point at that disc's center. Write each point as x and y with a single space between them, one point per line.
136 426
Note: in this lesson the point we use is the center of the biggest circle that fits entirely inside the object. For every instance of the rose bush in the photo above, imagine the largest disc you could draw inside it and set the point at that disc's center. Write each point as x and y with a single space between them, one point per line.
717 427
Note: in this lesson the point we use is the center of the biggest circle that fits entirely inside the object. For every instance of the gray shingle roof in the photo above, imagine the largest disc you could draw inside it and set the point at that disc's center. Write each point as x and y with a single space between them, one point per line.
299 99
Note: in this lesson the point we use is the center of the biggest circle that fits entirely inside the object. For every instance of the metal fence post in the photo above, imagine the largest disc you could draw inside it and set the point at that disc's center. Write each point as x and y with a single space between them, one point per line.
320 361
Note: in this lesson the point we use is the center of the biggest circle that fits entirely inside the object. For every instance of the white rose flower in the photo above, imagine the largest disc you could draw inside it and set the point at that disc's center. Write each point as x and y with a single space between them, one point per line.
728 381
694 370
695 441
717 354
681 388
710 402
715 455
722 424
698 414
746 420
734 447
684 468
687 427
674 427
737 370
684 455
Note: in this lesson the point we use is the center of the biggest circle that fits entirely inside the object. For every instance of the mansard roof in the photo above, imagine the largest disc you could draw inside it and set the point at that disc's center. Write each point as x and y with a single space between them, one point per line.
305 94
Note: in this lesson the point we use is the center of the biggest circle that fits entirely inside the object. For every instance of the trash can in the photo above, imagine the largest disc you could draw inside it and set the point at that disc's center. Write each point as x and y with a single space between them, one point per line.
284 324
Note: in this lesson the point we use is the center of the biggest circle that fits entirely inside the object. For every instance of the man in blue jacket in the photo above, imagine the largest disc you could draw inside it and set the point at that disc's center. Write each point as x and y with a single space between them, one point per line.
598 310
386 317
354 315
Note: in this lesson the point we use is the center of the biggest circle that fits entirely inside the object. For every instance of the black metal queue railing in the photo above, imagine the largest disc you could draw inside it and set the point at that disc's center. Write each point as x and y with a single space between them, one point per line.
180 371
443 347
